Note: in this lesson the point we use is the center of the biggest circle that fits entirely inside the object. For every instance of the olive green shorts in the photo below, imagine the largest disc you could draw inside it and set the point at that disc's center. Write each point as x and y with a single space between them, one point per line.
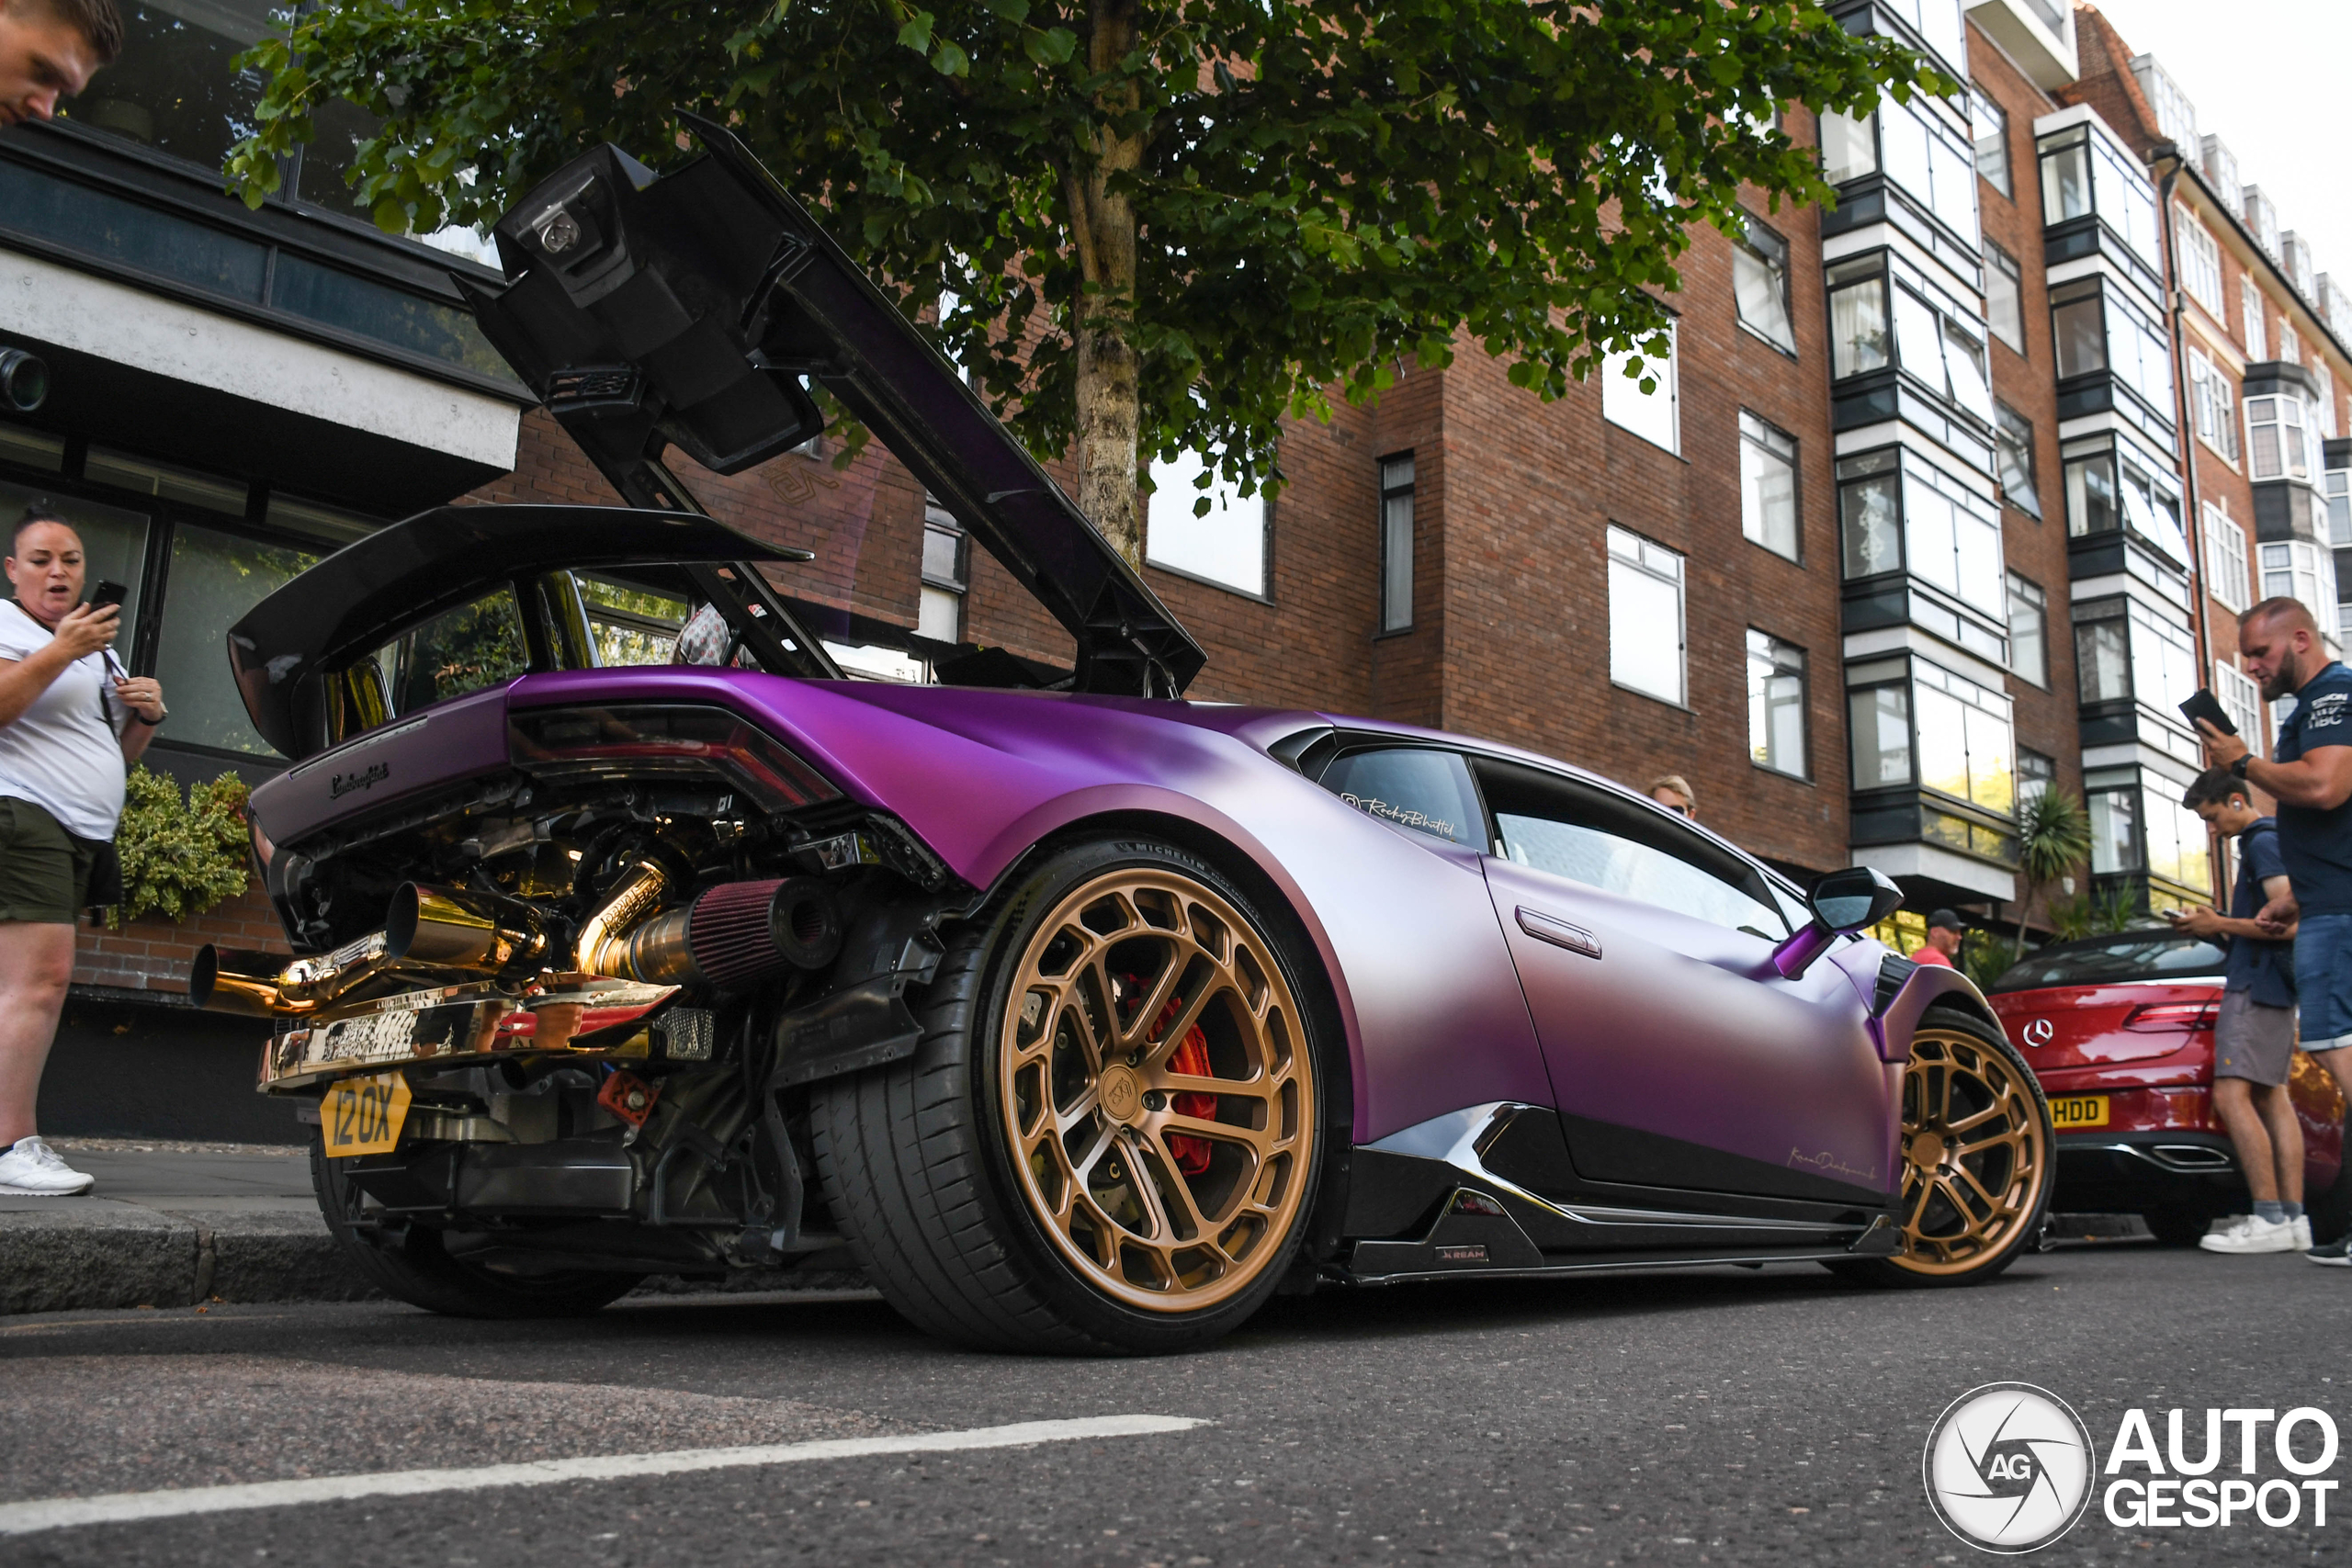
44 870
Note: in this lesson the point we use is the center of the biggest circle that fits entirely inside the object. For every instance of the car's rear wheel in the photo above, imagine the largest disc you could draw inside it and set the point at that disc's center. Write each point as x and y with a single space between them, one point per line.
1110 1138
1976 1155
411 1265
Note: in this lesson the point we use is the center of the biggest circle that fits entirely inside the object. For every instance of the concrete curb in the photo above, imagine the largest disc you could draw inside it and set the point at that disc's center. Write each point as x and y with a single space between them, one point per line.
126 1256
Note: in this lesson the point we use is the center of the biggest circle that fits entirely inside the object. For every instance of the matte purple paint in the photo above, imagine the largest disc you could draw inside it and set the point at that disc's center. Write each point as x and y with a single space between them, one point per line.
1684 1028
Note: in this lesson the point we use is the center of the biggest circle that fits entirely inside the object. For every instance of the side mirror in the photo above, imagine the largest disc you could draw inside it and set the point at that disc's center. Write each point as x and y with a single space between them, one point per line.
1857 897
1842 901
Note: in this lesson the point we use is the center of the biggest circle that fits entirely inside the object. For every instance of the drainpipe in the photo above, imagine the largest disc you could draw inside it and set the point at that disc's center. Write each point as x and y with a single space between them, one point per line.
2193 522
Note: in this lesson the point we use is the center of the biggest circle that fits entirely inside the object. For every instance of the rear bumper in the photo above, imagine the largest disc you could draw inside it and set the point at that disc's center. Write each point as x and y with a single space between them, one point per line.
2133 1172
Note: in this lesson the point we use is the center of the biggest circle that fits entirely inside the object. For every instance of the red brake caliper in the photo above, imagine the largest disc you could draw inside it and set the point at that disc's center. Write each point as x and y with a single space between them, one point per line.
1191 1059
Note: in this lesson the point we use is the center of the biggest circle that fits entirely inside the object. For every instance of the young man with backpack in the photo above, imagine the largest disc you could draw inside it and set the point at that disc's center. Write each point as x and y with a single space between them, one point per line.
2254 1037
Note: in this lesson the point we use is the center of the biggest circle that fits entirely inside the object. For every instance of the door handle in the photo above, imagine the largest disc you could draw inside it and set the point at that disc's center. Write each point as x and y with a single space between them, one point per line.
1558 932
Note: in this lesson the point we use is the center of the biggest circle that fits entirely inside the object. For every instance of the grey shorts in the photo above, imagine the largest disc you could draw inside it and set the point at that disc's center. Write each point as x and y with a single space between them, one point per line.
2252 1041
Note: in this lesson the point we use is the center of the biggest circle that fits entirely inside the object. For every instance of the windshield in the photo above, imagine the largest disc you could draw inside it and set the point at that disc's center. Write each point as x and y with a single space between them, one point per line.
2103 961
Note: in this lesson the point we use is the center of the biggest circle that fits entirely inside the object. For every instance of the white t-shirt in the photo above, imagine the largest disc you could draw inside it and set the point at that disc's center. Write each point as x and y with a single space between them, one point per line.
63 753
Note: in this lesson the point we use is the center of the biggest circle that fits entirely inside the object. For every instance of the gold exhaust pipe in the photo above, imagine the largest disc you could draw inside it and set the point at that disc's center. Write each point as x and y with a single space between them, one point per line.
435 928
263 984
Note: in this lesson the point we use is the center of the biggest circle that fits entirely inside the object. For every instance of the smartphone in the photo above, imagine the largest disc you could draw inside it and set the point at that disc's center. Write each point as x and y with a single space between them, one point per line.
2203 705
109 594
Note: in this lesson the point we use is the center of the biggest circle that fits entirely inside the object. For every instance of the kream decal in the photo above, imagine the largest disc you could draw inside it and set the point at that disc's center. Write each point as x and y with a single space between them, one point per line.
2180 1488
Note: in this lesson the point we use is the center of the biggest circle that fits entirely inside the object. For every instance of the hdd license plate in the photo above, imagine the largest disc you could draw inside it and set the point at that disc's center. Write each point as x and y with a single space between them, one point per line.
363 1116
2074 1110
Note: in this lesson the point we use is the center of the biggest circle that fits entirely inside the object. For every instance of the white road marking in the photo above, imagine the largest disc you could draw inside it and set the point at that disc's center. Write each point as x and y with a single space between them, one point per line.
120 1508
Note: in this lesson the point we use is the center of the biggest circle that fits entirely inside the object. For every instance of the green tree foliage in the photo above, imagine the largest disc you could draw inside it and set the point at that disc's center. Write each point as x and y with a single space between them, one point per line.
180 855
1161 225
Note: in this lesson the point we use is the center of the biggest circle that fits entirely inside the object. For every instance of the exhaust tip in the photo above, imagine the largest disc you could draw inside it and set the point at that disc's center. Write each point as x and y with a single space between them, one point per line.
203 975
400 923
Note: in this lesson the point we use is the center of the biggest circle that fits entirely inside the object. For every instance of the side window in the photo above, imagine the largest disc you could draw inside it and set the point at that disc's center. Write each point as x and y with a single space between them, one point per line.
629 624
1426 790
1587 835
457 651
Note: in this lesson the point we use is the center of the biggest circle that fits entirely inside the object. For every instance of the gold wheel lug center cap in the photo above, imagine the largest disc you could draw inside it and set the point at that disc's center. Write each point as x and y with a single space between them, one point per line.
1927 1150
1121 1088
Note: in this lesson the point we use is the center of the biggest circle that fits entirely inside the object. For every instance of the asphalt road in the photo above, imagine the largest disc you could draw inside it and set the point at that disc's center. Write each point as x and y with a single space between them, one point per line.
1723 1416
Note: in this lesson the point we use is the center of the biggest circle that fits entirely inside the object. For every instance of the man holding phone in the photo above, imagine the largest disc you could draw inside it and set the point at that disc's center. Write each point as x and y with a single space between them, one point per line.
2311 780
70 722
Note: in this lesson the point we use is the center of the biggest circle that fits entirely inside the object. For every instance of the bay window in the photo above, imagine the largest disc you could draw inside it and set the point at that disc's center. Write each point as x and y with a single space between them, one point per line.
2295 570
2098 330
2110 486
2139 825
2279 437
1913 722
1901 514
2336 485
1913 147
2084 175
1877 304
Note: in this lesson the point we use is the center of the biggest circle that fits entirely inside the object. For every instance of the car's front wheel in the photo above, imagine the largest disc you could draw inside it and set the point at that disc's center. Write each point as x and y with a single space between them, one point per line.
1977 1156
1109 1138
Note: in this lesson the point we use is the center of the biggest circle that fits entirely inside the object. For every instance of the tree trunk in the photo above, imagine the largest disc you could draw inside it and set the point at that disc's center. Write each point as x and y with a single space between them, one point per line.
1102 225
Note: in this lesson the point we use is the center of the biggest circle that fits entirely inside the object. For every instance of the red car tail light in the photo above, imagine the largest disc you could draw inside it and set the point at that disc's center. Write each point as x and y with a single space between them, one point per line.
2171 1017
639 739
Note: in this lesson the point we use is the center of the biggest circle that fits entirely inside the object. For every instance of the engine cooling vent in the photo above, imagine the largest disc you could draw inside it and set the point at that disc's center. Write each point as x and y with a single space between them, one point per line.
740 930
1892 972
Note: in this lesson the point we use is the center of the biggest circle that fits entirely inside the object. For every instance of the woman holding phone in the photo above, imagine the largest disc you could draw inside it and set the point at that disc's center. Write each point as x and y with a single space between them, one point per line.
70 722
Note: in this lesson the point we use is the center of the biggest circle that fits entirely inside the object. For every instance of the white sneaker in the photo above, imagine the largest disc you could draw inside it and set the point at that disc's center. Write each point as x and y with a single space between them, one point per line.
31 1168
2302 1224
2251 1234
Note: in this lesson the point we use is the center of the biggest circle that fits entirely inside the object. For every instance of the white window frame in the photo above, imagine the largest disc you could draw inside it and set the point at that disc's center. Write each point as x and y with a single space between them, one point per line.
1636 562
2200 260
2241 699
1770 659
1760 441
2288 419
2297 568
2225 562
2212 402
2253 320
1626 406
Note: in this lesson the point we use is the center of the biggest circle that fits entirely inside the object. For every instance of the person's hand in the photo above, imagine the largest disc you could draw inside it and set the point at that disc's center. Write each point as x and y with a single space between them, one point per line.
2277 915
2199 921
87 628
143 695
2220 750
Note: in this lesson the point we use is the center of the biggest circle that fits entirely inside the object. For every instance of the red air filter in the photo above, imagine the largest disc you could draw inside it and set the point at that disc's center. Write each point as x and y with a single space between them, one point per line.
738 931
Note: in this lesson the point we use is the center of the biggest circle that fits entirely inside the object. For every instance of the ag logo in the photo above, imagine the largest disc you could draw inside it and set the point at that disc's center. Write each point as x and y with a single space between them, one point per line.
2008 1467
2039 1032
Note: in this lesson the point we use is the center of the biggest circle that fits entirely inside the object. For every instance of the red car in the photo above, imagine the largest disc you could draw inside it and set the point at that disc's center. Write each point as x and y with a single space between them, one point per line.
2120 1030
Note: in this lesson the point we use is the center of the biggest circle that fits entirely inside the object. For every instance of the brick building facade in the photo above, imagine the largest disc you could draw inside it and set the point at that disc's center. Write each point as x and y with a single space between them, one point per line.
1924 516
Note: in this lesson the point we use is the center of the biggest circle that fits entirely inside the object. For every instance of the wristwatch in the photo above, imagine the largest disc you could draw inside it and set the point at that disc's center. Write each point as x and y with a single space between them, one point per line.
2237 769
137 718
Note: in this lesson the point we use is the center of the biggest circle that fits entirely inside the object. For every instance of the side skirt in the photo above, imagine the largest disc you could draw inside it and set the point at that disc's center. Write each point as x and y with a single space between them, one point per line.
1483 1223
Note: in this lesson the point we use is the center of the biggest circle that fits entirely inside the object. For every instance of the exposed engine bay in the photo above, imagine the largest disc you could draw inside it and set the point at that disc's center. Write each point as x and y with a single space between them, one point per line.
602 982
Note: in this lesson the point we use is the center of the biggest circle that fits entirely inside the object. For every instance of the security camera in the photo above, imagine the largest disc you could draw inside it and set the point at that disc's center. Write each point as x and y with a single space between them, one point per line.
24 380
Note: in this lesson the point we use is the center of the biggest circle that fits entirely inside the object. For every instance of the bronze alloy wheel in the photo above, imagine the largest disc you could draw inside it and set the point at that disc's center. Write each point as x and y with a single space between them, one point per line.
1157 1090
1976 1153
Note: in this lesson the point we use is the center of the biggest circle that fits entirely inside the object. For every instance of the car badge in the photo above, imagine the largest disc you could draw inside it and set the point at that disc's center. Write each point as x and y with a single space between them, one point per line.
2039 1032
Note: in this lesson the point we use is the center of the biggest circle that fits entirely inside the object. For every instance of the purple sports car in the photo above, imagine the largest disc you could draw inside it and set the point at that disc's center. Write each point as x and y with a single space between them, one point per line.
1080 1017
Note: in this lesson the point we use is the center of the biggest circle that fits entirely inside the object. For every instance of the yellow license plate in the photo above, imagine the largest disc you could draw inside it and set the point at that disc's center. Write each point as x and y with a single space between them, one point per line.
2078 1111
363 1116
